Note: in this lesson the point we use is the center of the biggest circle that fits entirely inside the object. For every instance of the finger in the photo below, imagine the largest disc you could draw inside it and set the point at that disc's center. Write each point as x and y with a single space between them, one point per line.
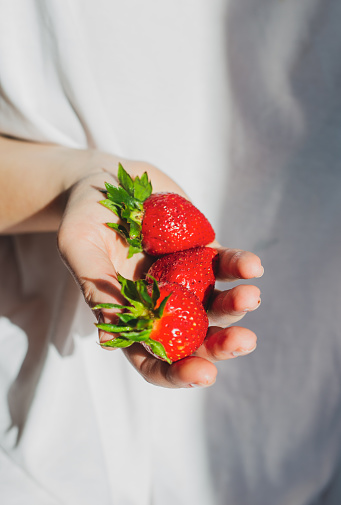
84 253
237 264
228 307
97 278
188 372
226 343
88 250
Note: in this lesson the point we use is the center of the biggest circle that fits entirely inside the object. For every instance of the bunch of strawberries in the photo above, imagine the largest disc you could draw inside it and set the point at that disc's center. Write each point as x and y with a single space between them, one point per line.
166 311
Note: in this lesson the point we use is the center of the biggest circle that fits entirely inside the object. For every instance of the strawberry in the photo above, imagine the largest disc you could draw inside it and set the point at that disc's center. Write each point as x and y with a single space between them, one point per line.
168 319
158 223
194 268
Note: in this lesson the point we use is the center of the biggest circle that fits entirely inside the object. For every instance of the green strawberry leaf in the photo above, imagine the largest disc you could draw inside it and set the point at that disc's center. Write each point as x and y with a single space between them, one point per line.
155 290
117 342
135 242
125 213
119 195
142 188
129 290
135 230
128 318
110 205
158 349
112 328
137 324
113 192
126 201
125 180
136 215
144 295
137 336
159 312
120 229
133 249
145 182
143 324
109 306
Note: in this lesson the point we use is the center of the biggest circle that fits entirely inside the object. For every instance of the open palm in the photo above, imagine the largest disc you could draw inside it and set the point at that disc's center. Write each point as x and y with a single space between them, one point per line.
94 254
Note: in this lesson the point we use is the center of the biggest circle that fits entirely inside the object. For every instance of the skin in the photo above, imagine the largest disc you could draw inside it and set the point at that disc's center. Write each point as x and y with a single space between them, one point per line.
68 204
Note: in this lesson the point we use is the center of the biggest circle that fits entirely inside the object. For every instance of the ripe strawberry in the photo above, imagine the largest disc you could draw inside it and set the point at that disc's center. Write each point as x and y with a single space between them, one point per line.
169 320
195 269
158 223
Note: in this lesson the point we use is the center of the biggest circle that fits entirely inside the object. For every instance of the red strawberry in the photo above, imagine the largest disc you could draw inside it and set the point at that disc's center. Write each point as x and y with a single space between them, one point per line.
172 223
158 223
169 320
194 268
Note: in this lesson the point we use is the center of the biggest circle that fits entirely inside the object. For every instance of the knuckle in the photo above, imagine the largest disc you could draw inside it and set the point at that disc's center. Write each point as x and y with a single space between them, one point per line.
149 370
235 259
87 291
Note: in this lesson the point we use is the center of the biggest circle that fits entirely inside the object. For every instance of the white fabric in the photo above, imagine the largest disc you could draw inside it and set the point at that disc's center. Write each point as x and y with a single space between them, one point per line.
239 102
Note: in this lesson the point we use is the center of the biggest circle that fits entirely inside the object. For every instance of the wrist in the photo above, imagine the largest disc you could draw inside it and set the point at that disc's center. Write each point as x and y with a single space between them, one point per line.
45 174
78 165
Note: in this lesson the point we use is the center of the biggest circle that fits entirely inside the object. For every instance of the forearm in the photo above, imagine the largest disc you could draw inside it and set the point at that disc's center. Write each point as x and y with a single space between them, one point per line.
35 180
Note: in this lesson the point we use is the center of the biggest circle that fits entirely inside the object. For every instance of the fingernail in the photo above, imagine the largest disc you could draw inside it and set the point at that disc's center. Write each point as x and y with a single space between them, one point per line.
201 385
248 309
261 273
243 352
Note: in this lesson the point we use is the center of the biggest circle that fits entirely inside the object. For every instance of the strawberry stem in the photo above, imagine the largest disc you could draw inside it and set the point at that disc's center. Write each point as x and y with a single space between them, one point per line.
126 201
136 323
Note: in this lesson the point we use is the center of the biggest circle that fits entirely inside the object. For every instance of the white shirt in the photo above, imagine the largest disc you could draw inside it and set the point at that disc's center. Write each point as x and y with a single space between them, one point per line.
239 103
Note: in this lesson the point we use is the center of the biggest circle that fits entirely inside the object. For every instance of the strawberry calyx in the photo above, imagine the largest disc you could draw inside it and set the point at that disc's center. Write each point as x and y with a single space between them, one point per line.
135 324
126 201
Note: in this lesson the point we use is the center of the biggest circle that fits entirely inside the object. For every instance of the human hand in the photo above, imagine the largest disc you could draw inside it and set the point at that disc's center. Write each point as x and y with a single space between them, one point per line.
222 341
94 254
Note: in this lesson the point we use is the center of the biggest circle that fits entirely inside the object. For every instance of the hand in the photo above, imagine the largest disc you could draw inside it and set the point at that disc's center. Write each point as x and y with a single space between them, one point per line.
94 253
222 342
